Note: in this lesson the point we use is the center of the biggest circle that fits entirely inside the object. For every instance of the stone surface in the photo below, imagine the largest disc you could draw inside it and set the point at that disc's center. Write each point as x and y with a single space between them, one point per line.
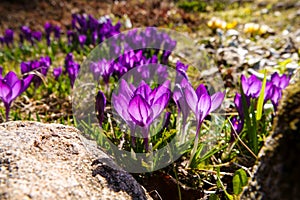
276 175
50 161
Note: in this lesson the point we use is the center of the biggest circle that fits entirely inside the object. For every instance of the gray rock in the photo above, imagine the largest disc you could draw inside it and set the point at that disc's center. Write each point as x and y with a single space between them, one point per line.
50 161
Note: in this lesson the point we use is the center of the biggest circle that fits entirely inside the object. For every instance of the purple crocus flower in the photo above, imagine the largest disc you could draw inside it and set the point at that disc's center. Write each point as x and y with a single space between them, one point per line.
251 86
201 103
48 29
26 32
274 88
102 68
70 36
121 103
100 106
82 39
146 105
180 101
141 106
73 71
11 87
37 35
280 81
71 68
57 32
57 72
9 37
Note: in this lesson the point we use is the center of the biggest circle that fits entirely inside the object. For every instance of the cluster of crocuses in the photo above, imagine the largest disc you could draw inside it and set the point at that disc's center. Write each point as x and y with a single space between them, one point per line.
85 30
88 30
126 62
140 105
251 88
131 44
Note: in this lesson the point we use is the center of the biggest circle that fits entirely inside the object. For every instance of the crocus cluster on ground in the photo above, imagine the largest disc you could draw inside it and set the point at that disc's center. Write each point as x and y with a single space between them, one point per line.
251 88
141 100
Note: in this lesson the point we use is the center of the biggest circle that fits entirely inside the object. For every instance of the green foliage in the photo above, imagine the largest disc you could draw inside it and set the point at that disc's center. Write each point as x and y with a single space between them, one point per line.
261 97
239 180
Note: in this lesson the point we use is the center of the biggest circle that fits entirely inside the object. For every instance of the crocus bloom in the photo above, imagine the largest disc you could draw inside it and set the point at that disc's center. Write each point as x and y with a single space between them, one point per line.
9 36
71 68
82 40
48 29
11 87
251 86
37 35
141 106
274 88
201 103
70 36
121 102
146 105
180 101
73 72
57 32
280 81
100 106
26 33
102 68
57 72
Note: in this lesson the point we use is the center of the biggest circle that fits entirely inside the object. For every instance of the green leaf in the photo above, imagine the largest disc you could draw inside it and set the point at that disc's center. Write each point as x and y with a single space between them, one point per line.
239 180
260 103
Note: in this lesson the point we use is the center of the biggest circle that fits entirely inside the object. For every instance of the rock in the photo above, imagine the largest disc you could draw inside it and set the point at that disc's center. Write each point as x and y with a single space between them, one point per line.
276 174
50 161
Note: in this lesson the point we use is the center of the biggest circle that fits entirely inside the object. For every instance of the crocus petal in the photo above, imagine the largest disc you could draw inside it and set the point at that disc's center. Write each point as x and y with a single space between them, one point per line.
144 90
120 104
191 97
160 104
139 110
255 88
158 92
203 107
11 78
16 89
284 82
27 80
275 79
276 96
216 100
201 90
245 85
5 92
125 89
57 72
